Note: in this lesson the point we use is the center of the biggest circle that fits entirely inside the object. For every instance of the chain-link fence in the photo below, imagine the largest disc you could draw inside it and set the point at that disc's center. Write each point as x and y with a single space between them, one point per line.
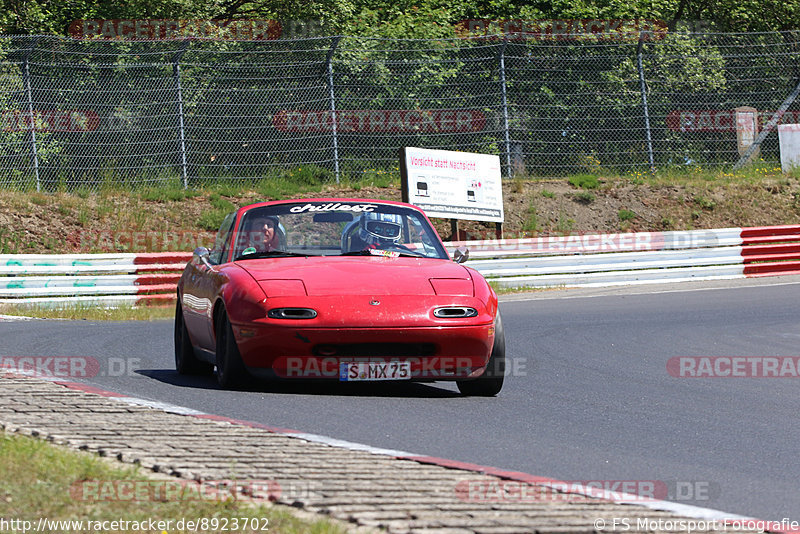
77 114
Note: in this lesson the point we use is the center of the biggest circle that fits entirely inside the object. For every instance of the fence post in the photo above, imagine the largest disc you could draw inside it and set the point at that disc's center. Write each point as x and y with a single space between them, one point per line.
507 135
176 71
26 79
767 128
332 96
643 88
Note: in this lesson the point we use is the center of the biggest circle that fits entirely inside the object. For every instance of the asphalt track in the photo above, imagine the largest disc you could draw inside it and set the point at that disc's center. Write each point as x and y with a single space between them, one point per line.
589 397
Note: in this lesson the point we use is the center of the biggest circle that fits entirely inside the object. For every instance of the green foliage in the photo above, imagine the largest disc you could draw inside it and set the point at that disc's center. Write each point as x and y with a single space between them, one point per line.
548 194
90 312
626 215
681 63
40 478
403 18
222 204
210 220
564 224
169 194
309 175
376 178
285 183
584 181
560 94
705 203
10 242
39 199
278 187
584 197
531 223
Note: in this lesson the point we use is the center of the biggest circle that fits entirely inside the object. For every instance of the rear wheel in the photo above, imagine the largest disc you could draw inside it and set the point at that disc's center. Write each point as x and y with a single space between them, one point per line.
186 363
230 370
490 382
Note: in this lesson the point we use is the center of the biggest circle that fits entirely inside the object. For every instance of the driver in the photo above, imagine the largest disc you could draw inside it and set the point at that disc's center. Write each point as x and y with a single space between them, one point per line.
377 230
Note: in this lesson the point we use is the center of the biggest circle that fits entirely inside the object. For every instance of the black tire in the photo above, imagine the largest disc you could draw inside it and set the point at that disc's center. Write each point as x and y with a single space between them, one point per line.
490 382
186 363
230 370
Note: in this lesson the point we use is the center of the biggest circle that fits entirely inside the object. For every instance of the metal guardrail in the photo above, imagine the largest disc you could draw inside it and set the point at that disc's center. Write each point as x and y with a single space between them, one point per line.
589 243
611 259
90 279
574 260
769 250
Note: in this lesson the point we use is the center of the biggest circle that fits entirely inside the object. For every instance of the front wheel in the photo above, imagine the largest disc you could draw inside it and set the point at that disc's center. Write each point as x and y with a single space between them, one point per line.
490 382
230 370
186 363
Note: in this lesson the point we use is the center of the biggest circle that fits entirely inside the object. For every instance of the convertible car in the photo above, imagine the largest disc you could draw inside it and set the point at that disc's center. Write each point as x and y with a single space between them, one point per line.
339 289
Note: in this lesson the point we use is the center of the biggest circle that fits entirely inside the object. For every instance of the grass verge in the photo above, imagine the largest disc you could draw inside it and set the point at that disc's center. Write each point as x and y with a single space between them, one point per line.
121 218
505 290
41 480
88 313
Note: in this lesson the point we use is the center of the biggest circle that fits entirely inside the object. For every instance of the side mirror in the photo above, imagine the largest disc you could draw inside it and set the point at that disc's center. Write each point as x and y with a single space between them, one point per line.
461 255
201 254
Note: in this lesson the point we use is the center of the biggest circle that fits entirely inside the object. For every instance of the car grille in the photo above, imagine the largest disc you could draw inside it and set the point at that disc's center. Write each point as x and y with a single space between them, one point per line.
383 350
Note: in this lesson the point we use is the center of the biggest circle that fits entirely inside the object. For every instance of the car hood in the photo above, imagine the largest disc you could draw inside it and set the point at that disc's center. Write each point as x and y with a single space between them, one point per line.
359 275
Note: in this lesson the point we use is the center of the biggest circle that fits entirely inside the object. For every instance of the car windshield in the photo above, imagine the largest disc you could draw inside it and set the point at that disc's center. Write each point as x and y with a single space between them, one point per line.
335 229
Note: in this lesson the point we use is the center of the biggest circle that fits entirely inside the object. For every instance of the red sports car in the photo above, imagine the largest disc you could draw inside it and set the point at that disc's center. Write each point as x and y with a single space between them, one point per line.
343 289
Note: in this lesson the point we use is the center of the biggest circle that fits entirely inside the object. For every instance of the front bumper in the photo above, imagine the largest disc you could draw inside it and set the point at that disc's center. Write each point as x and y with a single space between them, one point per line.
434 352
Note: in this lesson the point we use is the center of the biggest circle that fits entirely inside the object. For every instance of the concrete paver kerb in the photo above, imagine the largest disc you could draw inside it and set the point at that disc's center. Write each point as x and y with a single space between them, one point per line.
366 490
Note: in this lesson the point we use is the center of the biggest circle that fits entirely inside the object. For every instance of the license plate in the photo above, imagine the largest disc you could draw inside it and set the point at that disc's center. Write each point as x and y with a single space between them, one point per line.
356 371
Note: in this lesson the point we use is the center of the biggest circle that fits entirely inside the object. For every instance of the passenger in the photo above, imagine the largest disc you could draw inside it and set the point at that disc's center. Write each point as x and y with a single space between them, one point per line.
263 234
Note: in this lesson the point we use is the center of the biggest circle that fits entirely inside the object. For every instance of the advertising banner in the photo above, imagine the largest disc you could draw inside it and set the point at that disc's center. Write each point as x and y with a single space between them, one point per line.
455 185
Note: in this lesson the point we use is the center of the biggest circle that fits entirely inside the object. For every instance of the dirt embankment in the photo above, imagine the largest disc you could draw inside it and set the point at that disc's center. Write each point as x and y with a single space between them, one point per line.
60 223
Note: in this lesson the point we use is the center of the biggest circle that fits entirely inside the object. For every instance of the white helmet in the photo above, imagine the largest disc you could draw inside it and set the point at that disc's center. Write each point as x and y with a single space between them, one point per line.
380 228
